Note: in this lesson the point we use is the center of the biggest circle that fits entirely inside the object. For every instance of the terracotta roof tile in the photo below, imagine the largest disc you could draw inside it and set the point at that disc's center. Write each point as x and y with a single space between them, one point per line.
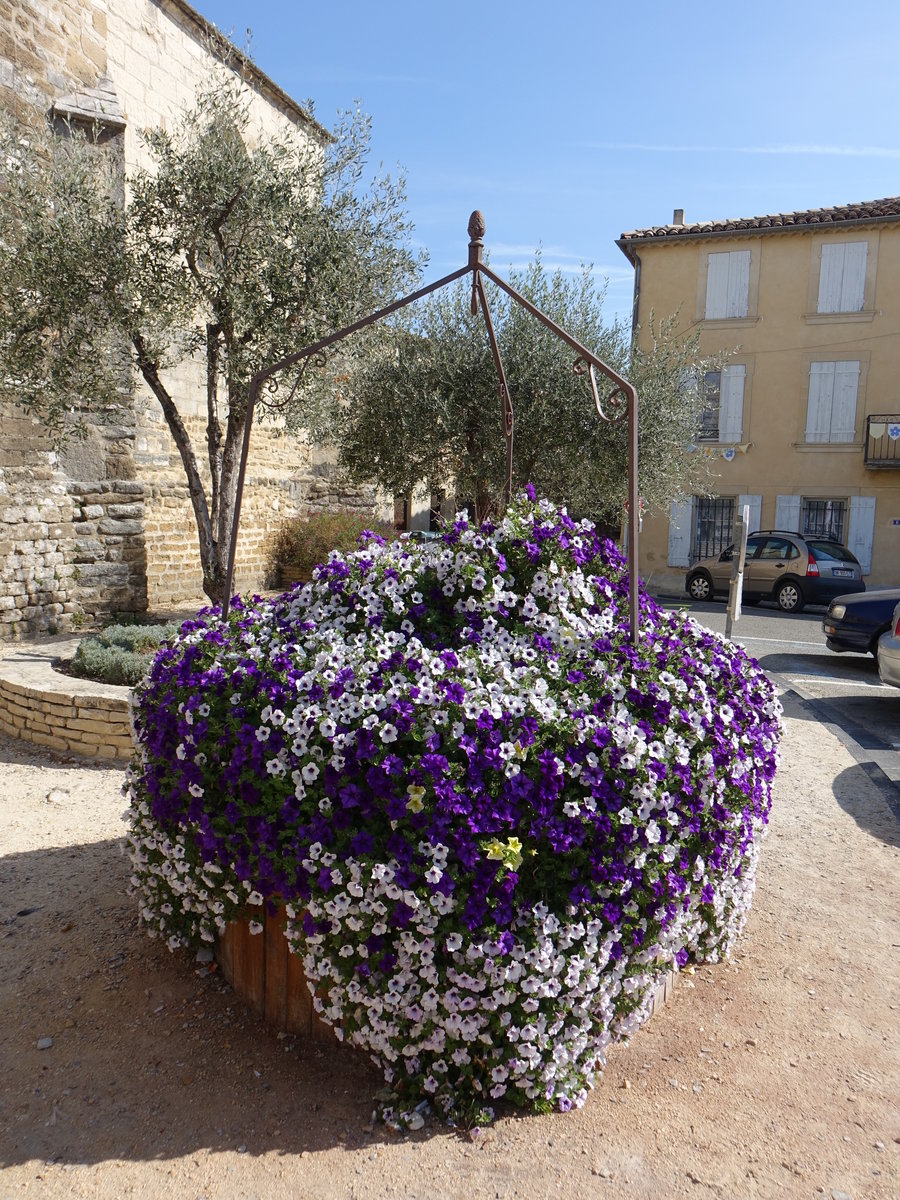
867 210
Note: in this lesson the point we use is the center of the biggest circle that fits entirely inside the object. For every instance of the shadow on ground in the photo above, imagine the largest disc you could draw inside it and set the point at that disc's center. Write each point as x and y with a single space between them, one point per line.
871 800
150 1059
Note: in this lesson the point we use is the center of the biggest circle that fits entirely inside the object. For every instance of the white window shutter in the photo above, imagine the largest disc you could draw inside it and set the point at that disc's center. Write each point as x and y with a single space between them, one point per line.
830 276
818 410
853 283
731 403
842 278
717 286
738 283
843 407
787 513
754 503
862 530
680 513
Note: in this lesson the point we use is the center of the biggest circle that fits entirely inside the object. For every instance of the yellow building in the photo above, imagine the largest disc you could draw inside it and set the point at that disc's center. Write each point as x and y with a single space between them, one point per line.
803 423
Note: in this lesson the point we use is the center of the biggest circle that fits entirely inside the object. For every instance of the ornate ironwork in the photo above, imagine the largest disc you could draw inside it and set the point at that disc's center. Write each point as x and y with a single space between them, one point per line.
623 396
273 386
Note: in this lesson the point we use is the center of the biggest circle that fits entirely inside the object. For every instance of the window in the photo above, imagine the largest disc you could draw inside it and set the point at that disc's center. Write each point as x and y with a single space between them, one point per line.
728 285
824 519
831 410
830 551
714 525
842 277
776 549
722 415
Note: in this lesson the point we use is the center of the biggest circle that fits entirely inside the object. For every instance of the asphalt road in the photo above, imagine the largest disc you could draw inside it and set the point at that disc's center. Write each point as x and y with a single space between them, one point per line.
840 690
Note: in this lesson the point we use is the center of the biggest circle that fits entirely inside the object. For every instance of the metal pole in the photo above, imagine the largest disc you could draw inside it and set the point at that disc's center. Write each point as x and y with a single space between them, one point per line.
505 402
238 497
634 500
738 560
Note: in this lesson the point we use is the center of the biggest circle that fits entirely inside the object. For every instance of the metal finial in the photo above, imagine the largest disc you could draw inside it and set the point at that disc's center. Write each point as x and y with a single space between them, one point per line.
476 226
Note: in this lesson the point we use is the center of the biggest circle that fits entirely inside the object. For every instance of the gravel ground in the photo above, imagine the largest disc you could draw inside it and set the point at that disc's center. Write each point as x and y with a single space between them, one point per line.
131 1072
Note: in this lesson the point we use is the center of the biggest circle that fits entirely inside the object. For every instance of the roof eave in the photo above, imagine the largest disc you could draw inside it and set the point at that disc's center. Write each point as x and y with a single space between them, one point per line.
625 243
251 71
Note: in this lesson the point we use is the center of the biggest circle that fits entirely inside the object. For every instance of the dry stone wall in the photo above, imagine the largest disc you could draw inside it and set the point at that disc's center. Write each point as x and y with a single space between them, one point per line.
70 548
106 527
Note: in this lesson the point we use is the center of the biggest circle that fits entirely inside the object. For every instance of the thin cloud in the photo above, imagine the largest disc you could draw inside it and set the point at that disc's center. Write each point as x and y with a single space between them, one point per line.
810 150
503 258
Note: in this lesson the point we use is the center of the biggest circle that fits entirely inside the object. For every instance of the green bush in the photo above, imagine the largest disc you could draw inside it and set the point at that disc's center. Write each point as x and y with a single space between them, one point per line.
120 653
304 542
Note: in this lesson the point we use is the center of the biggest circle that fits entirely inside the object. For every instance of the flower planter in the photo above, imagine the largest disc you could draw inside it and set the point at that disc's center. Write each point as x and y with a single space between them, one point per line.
509 830
269 978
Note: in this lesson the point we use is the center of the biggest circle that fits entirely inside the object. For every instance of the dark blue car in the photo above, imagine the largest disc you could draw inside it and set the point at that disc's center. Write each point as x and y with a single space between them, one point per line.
856 621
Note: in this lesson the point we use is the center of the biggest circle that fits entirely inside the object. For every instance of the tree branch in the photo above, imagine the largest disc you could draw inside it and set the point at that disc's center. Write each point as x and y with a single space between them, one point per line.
150 371
213 427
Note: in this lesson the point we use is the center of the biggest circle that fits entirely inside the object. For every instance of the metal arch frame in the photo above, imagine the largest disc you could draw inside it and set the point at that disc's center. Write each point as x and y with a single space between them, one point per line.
623 398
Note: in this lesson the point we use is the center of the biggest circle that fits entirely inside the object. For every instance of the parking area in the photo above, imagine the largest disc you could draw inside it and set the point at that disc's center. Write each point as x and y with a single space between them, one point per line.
841 690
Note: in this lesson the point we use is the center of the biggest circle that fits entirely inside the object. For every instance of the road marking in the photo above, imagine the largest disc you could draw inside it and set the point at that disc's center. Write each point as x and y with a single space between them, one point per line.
781 642
873 687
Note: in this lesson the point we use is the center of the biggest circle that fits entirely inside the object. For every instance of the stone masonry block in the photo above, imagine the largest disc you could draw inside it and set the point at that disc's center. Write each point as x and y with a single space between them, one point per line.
123 528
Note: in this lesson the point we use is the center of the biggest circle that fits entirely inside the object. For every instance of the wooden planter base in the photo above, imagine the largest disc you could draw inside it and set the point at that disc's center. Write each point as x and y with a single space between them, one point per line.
271 982
269 978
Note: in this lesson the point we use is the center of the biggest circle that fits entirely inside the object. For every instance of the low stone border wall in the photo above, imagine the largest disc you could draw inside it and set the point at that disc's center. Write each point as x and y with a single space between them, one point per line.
75 716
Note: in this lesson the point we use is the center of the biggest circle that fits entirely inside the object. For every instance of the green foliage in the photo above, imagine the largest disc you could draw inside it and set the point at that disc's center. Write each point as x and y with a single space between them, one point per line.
425 405
61 260
303 542
120 653
236 247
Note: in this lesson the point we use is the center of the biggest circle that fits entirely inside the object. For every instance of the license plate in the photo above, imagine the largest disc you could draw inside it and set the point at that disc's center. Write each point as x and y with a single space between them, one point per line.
843 574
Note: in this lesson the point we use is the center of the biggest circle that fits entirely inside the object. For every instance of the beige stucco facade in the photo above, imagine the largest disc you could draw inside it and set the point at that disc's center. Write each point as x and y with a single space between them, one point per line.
802 381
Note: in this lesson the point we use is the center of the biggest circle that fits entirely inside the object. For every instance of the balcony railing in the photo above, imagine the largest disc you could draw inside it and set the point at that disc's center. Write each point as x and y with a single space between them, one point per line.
883 440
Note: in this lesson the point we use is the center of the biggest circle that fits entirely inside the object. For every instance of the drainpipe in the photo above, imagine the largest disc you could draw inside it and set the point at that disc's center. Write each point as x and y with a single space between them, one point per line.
637 295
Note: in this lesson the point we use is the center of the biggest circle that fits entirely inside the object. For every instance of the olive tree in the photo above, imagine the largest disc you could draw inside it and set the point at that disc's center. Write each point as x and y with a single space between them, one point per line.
424 406
233 249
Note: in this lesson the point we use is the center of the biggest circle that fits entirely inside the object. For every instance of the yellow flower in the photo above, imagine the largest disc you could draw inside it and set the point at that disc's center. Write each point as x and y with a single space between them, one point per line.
415 802
495 849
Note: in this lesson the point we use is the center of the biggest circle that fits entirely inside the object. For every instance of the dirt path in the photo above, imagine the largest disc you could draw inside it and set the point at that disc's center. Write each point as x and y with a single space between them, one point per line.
777 1075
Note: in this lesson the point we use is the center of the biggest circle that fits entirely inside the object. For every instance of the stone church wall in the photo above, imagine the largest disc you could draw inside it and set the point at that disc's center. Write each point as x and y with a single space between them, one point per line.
106 526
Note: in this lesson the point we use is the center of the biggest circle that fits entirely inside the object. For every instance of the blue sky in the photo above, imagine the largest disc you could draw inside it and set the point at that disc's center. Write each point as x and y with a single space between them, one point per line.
567 123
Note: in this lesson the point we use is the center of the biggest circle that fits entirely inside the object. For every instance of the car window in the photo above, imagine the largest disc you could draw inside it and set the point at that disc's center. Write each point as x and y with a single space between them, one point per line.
831 550
775 548
753 545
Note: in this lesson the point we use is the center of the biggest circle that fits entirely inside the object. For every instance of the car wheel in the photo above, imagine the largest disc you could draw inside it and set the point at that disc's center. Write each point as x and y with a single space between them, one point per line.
789 597
700 587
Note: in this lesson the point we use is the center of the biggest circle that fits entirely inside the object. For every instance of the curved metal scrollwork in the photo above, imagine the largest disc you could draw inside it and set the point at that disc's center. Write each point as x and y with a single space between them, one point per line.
317 358
617 400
